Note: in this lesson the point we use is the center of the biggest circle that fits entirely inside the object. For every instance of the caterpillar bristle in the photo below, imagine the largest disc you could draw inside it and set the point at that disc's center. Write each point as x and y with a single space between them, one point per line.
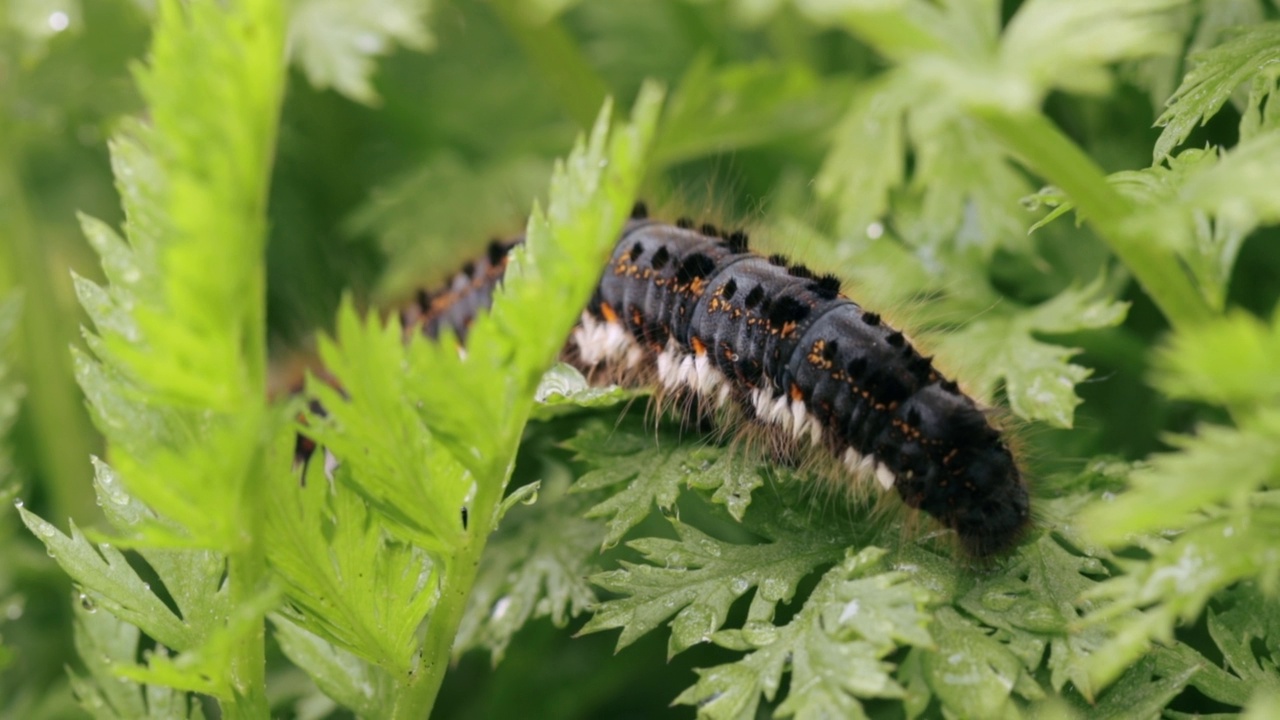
639 211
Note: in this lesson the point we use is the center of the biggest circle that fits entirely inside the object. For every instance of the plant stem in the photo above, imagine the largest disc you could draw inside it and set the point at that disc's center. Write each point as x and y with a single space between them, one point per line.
62 436
1047 151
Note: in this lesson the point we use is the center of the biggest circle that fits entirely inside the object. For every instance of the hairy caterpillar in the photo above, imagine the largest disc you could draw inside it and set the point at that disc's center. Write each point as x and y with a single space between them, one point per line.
696 315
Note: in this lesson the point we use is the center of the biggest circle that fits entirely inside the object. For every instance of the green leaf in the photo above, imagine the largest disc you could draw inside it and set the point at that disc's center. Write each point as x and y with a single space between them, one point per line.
426 431
654 475
1038 379
115 585
373 427
106 643
1177 582
535 566
470 201
360 686
1139 695
696 578
563 387
1248 56
1035 603
548 278
867 159
1055 45
972 673
347 581
1251 618
336 41
834 648
727 109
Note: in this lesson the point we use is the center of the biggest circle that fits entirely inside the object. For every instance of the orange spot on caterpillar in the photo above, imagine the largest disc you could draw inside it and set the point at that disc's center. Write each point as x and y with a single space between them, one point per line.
610 315
796 393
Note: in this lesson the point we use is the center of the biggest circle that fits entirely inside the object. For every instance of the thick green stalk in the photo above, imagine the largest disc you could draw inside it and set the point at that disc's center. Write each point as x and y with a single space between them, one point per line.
459 576
1049 153
63 436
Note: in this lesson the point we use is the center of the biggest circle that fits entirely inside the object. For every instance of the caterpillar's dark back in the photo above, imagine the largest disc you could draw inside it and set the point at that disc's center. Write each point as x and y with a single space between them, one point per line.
695 312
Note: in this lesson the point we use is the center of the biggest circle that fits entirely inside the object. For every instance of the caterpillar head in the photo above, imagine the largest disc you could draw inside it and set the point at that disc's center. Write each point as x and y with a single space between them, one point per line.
962 472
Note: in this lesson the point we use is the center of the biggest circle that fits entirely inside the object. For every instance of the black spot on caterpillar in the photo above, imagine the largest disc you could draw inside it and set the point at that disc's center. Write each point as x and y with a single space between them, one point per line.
693 313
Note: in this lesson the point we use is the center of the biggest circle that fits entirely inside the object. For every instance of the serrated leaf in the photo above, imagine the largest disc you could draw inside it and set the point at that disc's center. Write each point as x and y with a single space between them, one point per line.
105 644
696 578
363 687
1171 491
1252 618
973 674
654 475
833 648
115 585
564 387
867 159
337 41
346 580
1179 579
1038 379
373 428
549 278
535 566
1036 602
1139 695
1069 45
1251 52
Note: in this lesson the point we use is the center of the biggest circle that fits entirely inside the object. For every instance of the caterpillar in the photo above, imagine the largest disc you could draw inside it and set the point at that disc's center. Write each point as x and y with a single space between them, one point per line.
696 315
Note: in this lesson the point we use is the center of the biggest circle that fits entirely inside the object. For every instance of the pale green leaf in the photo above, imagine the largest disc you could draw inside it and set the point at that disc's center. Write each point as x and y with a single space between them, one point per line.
115 585
345 579
1252 52
1050 44
106 644
363 687
1038 379
337 42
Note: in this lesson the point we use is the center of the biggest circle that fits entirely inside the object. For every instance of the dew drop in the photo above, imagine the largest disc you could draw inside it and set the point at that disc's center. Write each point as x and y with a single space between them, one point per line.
15 607
87 604
18 503
500 607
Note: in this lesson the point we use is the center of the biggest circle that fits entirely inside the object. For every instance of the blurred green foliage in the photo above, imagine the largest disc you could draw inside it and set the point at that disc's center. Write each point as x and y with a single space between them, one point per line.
924 150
